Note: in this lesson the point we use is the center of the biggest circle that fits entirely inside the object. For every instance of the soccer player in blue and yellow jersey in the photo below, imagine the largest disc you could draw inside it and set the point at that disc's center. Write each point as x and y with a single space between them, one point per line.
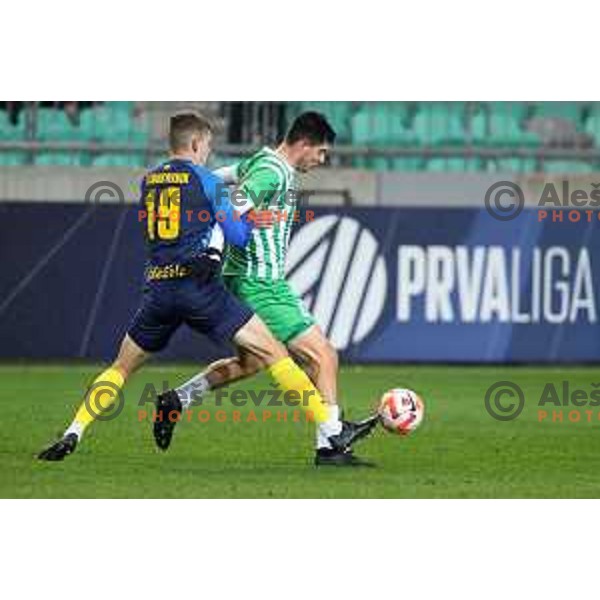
186 211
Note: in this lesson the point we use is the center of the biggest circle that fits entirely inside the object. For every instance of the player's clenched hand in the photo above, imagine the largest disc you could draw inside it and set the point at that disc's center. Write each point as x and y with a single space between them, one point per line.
207 266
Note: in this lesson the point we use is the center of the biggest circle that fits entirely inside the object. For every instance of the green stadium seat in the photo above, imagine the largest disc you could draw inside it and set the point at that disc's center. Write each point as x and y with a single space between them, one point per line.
5 124
12 158
403 164
453 165
380 164
88 123
139 134
518 111
10 132
505 130
362 129
513 165
477 127
407 164
372 163
570 111
119 160
112 122
567 166
380 124
437 124
54 125
112 126
124 106
61 158
592 126
118 125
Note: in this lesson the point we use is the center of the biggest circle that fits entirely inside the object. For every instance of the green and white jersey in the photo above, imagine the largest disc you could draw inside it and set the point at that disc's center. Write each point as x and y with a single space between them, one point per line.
269 182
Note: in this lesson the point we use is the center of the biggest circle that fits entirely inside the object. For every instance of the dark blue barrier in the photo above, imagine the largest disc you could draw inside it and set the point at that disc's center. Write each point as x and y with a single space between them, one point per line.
71 280
386 284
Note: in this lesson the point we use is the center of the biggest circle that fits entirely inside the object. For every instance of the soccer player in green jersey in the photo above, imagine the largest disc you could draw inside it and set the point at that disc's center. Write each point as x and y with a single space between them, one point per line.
256 275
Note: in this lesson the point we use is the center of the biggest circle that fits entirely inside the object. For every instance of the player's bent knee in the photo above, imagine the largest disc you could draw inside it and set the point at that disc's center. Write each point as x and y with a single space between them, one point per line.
331 353
250 364
324 357
270 349
276 351
257 340
130 357
320 354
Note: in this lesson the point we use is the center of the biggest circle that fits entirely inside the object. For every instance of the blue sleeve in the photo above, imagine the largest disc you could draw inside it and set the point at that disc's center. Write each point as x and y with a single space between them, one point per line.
237 228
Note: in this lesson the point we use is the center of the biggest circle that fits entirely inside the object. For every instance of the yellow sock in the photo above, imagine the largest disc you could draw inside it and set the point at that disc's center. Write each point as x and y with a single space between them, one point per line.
100 396
291 377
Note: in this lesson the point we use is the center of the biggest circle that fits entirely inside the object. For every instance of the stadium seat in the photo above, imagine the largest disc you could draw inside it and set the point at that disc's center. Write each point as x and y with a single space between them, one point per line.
476 127
54 125
567 166
505 130
570 111
513 165
115 123
409 164
403 164
12 158
111 126
88 123
9 131
124 106
592 126
519 111
380 125
436 124
453 165
118 160
374 163
61 158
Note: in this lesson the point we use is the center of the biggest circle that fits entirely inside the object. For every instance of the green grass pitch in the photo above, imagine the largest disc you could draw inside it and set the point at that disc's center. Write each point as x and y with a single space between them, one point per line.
459 451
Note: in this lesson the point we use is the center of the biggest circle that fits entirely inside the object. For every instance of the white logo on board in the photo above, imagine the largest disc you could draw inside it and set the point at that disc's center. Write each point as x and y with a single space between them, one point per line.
335 265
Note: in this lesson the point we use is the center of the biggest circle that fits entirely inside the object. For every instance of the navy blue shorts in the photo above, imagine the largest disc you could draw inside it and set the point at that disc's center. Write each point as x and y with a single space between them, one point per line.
209 309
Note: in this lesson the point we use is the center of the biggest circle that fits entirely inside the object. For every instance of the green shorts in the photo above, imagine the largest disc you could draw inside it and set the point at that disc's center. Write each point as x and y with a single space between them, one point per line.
275 303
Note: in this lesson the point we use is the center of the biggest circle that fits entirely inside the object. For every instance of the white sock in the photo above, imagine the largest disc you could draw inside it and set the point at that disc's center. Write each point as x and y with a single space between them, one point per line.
75 428
332 426
192 389
322 440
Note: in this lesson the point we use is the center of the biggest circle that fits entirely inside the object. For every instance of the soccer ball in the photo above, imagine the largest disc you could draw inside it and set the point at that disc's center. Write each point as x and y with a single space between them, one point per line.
401 411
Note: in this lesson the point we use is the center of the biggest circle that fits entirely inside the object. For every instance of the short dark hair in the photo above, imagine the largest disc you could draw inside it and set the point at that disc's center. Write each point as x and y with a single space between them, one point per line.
311 126
183 126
